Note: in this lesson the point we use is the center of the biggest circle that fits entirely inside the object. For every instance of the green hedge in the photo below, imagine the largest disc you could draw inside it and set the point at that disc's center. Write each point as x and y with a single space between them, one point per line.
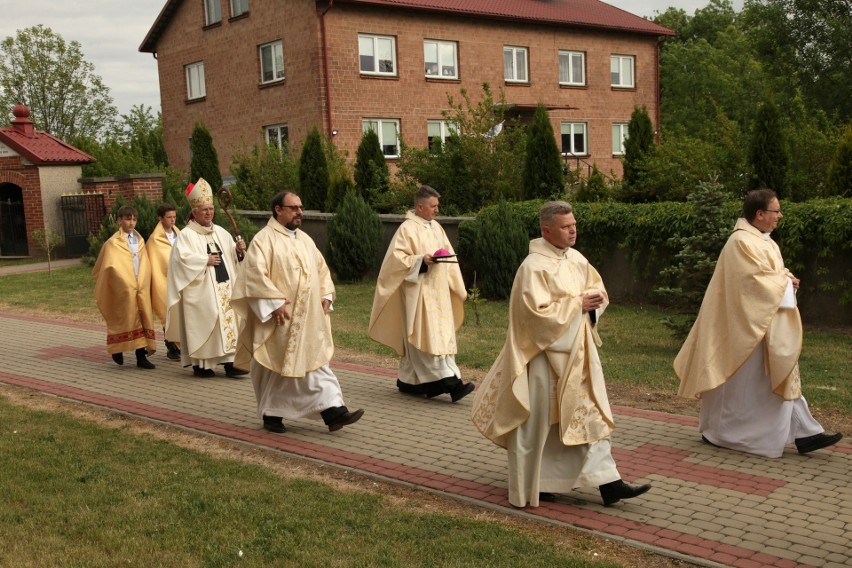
815 237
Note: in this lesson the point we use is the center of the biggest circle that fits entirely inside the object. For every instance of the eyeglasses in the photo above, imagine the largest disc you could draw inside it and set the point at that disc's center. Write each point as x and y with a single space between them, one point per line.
773 211
293 207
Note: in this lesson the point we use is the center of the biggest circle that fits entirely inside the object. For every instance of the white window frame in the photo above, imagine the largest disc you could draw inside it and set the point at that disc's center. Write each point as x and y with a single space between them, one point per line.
619 66
195 83
573 129
276 51
445 128
378 125
375 41
619 135
511 73
570 79
446 65
212 12
278 129
239 7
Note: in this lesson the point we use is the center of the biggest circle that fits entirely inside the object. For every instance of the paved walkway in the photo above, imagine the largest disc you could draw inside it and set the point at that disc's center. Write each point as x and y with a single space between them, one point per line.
710 506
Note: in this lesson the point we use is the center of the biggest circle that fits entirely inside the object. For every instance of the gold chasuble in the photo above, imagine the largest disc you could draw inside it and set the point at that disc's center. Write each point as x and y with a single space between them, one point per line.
740 309
123 298
159 250
279 267
546 316
199 313
426 310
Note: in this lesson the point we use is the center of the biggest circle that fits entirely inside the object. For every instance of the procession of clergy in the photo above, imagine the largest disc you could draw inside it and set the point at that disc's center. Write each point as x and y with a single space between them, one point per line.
263 310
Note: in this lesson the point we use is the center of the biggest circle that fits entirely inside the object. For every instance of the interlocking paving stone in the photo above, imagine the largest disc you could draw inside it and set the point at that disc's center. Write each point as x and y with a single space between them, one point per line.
716 506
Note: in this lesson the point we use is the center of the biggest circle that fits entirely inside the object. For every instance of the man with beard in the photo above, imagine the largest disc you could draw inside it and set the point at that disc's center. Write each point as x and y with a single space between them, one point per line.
283 300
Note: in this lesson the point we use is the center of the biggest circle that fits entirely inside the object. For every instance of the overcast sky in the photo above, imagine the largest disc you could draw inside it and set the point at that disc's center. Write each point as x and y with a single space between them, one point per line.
110 32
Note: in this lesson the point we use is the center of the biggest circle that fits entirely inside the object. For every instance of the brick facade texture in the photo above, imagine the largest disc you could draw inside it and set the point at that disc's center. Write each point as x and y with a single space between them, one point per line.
237 108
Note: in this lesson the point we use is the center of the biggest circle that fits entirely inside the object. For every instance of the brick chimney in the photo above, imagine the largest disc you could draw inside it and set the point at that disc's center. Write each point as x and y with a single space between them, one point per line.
22 122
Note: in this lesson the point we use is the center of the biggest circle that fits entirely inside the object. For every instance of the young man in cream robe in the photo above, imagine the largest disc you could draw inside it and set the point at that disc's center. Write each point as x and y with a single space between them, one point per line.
742 355
419 304
122 276
545 399
160 245
283 299
202 269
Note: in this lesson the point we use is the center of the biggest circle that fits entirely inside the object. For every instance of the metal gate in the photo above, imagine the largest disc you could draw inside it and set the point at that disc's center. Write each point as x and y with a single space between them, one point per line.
82 214
13 228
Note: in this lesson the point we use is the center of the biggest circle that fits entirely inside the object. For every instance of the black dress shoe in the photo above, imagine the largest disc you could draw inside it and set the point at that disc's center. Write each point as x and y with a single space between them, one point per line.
617 490
546 497
118 358
345 419
706 441
461 391
144 363
205 373
811 443
274 424
233 372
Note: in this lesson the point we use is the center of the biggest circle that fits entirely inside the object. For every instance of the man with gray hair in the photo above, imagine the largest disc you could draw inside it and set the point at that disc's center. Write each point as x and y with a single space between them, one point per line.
545 399
419 303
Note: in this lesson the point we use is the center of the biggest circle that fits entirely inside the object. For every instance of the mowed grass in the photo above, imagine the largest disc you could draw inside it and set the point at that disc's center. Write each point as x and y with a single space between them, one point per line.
637 350
73 493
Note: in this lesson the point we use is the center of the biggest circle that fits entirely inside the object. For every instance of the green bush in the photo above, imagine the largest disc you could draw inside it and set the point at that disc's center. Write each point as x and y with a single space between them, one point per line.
501 243
354 237
542 174
313 172
205 160
372 177
261 173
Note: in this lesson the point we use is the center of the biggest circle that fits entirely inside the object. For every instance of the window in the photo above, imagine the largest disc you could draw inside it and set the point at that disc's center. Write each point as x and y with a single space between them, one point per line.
212 12
572 68
239 7
271 62
440 59
439 130
574 138
621 70
515 64
619 135
377 54
277 134
195 88
388 131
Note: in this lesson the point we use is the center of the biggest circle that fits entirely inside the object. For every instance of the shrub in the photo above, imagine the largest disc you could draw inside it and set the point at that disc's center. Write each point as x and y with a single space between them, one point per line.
840 170
313 172
205 160
501 244
768 153
542 174
354 237
372 177
261 173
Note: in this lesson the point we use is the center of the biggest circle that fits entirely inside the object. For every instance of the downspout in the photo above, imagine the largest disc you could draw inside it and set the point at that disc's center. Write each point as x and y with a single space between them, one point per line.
658 137
325 67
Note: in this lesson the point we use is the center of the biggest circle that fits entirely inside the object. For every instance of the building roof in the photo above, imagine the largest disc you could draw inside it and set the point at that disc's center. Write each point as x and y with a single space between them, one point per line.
38 147
579 13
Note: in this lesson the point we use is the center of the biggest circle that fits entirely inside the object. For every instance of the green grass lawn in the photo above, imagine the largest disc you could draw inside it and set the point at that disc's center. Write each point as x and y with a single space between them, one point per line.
73 493
637 351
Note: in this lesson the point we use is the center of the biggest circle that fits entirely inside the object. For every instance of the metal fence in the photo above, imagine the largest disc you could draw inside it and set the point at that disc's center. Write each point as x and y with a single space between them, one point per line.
82 215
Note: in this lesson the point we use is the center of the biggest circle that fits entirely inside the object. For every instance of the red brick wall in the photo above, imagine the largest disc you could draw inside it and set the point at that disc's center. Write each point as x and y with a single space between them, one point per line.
26 177
236 107
128 187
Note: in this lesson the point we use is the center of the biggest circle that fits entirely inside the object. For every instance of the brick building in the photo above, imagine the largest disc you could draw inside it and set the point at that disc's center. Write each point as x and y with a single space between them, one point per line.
251 70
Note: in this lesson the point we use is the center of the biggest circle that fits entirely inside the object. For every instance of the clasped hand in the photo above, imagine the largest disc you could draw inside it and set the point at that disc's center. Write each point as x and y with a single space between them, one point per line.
592 301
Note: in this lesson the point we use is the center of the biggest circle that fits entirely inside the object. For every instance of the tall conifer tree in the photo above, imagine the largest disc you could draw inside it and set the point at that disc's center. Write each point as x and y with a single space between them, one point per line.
205 160
542 176
313 172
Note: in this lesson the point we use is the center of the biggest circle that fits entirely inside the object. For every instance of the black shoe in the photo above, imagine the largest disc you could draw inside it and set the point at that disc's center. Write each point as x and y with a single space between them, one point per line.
142 360
345 419
172 351
205 373
706 441
118 358
461 391
233 372
413 390
617 490
546 497
274 424
811 443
